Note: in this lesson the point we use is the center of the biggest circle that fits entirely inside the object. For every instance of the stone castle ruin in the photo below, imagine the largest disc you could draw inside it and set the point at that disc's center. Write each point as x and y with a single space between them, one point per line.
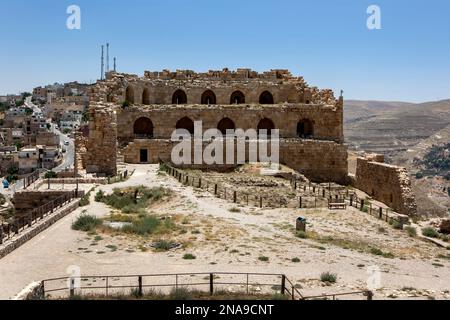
134 117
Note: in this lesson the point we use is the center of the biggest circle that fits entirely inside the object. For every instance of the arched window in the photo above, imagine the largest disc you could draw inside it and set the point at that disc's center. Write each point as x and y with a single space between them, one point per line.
226 124
179 97
266 124
266 98
208 97
305 128
146 96
129 94
187 124
237 97
143 127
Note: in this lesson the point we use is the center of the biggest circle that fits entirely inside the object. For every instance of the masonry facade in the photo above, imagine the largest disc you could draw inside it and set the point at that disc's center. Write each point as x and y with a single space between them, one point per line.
136 116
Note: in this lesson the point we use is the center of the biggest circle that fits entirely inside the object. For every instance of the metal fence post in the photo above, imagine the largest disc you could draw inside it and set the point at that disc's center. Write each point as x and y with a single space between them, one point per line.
283 284
140 286
234 196
211 283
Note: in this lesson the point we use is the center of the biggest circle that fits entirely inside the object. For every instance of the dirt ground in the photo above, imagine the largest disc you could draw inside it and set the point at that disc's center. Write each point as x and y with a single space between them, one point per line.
226 237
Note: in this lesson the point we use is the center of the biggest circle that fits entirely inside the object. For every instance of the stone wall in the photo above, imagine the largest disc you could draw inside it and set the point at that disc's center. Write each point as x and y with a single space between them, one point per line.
158 87
320 161
37 228
102 142
386 183
326 120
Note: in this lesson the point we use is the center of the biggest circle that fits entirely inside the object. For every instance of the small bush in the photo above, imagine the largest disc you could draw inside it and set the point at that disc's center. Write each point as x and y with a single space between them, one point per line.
430 232
162 245
99 196
301 235
189 256
419 175
144 226
263 258
412 232
328 277
86 223
295 260
84 201
397 225
180 294
50 175
234 209
376 251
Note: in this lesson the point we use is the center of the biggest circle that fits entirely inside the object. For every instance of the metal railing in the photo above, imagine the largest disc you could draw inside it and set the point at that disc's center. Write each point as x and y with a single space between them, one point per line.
7 230
210 282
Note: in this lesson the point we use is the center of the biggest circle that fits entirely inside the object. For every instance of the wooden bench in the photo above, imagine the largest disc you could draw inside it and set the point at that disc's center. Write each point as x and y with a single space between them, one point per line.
337 204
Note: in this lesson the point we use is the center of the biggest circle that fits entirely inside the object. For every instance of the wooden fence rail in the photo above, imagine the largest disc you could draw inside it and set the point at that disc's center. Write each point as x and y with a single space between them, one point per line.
320 193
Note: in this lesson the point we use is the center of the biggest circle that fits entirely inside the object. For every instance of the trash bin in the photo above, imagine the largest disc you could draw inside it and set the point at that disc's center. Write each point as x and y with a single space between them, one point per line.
301 224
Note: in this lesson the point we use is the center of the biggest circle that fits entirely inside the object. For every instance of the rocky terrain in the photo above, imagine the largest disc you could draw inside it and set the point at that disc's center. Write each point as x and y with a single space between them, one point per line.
405 133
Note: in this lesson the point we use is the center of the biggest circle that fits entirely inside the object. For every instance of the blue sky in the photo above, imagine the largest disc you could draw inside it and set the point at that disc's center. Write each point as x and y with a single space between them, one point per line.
327 42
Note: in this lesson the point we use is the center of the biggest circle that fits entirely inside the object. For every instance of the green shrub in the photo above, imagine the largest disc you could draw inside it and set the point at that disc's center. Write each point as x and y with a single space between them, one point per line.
279 297
397 225
295 260
419 175
162 245
234 209
430 232
86 223
263 258
180 294
412 232
144 226
301 235
189 256
376 251
328 277
50 175
99 196
84 201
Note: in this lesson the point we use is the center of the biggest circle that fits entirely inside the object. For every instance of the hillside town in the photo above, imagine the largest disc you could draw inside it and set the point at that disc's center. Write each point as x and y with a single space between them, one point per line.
37 130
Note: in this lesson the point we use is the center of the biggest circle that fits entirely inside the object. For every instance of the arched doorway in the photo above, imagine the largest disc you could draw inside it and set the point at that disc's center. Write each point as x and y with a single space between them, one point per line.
129 94
187 124
179 97
208 97
146 96
266 98
143 127
237 97
226 124
266 124
305 128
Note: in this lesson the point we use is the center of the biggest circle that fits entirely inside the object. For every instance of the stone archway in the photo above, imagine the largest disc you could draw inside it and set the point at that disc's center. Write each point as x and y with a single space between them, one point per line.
187 124
129 94
179 97
143 127
305 128
146 96
266 124
208 97
226 124
266 98
237 97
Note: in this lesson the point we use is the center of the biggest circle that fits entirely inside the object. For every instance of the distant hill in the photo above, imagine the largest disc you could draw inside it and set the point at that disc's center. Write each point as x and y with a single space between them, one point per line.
391 127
